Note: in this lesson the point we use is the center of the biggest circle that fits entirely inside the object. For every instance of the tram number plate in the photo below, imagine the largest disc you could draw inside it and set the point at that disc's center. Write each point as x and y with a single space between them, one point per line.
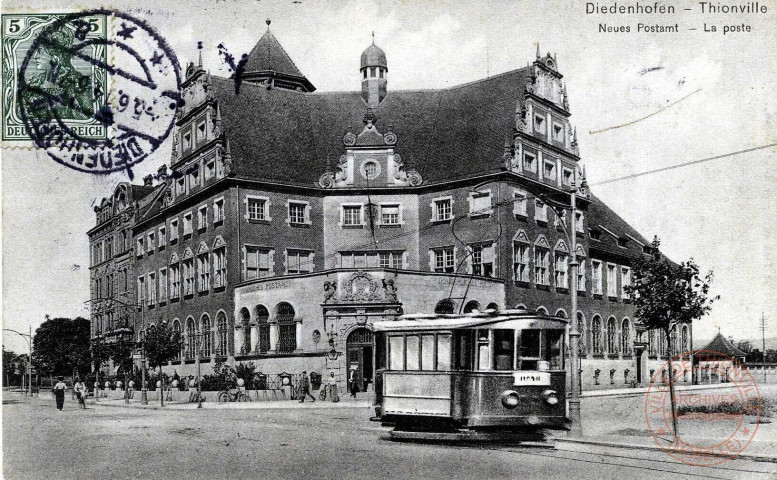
531 378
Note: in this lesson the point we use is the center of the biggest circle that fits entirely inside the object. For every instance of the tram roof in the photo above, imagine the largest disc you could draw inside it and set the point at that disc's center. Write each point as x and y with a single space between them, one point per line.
433 321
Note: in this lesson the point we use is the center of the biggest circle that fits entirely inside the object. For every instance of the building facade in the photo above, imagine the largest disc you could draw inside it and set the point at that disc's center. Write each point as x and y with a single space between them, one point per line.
288 220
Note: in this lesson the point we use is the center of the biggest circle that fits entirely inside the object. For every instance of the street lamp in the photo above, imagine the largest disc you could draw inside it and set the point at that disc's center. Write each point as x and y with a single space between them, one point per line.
28 338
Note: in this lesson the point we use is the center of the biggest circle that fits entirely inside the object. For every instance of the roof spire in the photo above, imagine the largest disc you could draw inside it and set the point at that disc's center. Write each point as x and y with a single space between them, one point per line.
199 47
538 50
373 37
268 21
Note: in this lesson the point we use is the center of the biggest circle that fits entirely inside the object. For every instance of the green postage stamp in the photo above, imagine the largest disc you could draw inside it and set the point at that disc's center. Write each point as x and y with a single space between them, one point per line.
65 70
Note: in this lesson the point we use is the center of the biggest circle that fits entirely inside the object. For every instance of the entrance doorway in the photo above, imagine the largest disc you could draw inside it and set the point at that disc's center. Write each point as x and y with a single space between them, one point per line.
358 347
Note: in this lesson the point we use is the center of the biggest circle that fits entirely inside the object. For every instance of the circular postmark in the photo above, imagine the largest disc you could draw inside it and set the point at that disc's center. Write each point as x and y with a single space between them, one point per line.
713 425
137 103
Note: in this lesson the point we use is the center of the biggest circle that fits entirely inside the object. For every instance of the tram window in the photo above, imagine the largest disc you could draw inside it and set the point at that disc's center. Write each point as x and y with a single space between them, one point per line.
529 352
396 353
443 352
504 347
554 349
427 352
464 353
412 357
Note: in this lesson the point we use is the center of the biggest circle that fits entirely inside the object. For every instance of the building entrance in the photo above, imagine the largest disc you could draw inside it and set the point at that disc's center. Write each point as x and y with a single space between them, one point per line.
359 355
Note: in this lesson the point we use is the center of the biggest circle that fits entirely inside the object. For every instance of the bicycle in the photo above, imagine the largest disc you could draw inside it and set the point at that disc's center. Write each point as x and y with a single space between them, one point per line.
229 396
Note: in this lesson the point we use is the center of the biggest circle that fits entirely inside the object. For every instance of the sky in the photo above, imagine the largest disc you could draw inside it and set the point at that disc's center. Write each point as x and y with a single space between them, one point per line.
640 101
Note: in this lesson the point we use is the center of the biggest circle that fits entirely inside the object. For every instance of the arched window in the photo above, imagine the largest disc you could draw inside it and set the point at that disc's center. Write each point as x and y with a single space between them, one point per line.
206 336
191 339
445 306
684 345
177 329
674 342
471 306
596 335
263 320
583 337
661 343
245 321
612 336
221 332
542 310
652 343
560 313
492 306
626 337
287 330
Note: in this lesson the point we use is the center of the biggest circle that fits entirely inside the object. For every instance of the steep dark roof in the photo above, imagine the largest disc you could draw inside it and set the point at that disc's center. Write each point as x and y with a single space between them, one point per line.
720 344
268 54
373 56
600 215
286 136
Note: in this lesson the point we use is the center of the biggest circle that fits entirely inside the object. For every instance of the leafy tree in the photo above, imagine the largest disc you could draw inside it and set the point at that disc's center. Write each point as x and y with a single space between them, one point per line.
667 295
771 355
744 345
9 369
161 344
61 345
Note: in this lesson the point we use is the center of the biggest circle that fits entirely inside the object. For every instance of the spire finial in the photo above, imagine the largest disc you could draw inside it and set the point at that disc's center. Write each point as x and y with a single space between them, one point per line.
373 37
199 47
538 50
268 21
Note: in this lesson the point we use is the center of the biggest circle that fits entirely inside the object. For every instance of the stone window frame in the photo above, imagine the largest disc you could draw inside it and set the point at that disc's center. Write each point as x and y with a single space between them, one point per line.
305 214
266 207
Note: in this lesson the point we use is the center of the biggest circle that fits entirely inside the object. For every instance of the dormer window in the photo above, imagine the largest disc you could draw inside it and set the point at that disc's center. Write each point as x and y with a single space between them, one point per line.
370 170
530 162
622 242
539 124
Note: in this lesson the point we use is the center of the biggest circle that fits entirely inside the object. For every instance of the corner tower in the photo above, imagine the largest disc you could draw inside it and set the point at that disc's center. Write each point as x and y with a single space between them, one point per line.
374 70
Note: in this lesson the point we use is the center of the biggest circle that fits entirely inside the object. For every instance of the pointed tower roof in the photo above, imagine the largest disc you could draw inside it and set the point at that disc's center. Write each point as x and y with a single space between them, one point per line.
720 344
269 63
374 56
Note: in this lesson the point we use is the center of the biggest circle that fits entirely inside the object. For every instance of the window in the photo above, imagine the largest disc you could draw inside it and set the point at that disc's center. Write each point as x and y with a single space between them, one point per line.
175 281
389 215
483 349
194 176
206 336
151 288
549 170
566 176
162 284
187 224
191 338
297 213
596 277
559 219
625 280
541 265
263 320
427 352
446 306
612 340
411 359
519 203
150 243
483 260
219 267
210 170
384 259
256 209
581 274
444 260
480 204
200 132
299 261
221 334
596 335
612 282
684 340
109 249
579 222
539 124
540 211
202 217
561 268
257 263
203 272
370 170
504 349
162 238
173 231
558 132
218 211
442 210
520 262
626 337
180 186
187 141
390 259
287 330
396 353
373 71
141 290
188 277
352 215
530 162
138 247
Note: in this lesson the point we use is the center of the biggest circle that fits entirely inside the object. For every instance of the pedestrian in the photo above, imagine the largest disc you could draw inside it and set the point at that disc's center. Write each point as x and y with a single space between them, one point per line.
304 388
333 387
59 392
192 389
80 389
353 381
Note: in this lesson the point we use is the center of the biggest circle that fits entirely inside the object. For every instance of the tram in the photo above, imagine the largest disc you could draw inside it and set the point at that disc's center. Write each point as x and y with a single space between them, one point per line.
482 371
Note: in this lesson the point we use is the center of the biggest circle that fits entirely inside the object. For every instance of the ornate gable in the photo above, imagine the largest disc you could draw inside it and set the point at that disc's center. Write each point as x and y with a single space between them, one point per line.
561 246
542 242
219 242
520 236
187 254
202 248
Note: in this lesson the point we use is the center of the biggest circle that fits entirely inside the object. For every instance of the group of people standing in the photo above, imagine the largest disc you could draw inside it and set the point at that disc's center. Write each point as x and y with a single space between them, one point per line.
353 384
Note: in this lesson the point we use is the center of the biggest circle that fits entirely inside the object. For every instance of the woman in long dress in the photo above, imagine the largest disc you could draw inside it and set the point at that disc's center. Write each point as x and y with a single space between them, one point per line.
59 392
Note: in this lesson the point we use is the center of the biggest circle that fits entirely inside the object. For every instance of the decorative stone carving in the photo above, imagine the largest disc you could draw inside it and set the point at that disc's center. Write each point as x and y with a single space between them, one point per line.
330 290
521 122
390 137
360 288
412 177
390 291
349 139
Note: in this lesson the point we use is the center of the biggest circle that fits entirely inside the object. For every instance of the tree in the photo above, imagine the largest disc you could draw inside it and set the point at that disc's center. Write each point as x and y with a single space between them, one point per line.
667 295
771 355
744 345
61 345
161 344
9 369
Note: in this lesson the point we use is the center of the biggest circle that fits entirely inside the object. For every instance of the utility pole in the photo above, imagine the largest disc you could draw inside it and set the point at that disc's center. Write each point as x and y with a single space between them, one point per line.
576 429
763 344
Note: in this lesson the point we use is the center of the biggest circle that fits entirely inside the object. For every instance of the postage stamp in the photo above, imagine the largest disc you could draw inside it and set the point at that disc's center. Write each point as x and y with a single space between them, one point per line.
713 426
55 71
108 114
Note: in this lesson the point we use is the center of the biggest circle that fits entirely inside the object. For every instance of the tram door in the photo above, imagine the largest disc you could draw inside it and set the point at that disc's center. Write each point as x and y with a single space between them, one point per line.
359 355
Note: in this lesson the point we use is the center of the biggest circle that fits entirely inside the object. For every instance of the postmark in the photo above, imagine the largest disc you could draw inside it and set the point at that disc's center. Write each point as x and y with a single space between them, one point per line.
714 425
138 110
